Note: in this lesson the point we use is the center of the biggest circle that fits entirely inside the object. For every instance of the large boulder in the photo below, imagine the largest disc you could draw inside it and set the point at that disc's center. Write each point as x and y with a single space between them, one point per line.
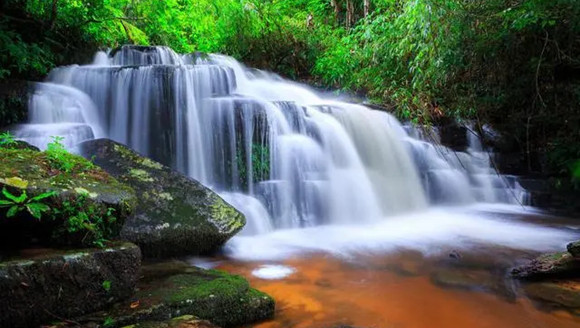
41 288
173 289
175 215
558 265
574 248
58 199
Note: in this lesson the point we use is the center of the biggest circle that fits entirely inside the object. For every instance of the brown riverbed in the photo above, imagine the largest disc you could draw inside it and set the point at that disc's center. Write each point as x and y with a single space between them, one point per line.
405 290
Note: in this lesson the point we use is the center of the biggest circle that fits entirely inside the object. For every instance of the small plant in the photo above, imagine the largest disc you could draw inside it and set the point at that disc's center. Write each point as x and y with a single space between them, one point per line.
61 159
107 285
17 204
109 322
7 139
85 218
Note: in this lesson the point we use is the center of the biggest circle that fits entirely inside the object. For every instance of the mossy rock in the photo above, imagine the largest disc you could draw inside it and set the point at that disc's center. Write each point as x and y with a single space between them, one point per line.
557 265
221 298
574 248
39 286
175 215
186 321
83 189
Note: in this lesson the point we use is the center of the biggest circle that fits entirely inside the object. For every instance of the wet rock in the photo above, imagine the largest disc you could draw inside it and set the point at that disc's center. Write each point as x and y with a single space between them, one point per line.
223 299
558 265
463 279
56 284
574 249
175 215
454 136
186 321
559 293
19 144
77 186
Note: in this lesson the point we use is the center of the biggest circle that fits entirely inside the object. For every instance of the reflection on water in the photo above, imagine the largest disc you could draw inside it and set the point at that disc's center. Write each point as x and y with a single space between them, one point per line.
443 283
401 290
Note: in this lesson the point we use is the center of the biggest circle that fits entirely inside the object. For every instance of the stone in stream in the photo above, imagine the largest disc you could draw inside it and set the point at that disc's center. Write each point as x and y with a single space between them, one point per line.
564 293
173 289
42 288
77 187
574 248
186 321
175 215
558 265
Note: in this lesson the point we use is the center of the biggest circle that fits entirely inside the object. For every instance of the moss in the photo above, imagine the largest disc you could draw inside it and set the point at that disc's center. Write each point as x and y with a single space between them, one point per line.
174 289
141 175
227 216
195 287
35 167
83 194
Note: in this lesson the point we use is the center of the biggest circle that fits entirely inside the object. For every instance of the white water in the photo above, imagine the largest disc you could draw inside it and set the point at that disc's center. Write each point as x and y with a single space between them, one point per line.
284 155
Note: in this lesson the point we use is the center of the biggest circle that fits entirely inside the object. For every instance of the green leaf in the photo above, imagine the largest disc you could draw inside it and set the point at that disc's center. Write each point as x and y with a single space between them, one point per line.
43 196
107 285
13 211
36 209
13 198
5 203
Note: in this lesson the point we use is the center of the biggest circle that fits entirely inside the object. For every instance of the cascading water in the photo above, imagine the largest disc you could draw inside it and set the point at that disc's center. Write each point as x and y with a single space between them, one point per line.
282 154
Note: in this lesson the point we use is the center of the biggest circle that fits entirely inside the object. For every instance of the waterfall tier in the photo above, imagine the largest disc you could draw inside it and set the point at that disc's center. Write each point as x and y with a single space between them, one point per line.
284 155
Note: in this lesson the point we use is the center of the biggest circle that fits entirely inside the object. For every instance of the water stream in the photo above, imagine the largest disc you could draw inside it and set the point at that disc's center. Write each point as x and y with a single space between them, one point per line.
314 176
284 155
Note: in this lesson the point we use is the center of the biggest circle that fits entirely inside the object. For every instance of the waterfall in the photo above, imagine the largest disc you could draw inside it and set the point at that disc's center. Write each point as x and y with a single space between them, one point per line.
283 154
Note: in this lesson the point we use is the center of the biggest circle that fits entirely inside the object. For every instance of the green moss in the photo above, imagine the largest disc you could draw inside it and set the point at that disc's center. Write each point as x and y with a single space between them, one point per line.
141 175
35 167
227 216
88 205
195 287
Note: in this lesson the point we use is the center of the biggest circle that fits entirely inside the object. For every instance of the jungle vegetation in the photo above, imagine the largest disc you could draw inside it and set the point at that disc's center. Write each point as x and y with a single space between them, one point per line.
514 64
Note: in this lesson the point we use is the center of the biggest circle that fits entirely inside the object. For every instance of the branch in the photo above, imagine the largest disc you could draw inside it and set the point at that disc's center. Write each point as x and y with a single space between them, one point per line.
538 70
112 18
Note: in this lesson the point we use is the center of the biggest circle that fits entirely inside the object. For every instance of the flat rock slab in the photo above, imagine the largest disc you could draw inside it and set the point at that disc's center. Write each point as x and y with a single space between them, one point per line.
41 288
562 293
557 265
186 321
173 289
175 215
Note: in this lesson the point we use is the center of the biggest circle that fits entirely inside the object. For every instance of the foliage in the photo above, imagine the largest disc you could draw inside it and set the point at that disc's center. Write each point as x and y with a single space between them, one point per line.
107 285
16 204
61 159
7 139
512 63
83 218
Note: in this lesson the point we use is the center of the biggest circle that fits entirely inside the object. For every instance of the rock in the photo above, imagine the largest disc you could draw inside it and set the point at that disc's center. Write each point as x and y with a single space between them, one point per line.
83 195
463 279
175 215
454 136
556 265
574 248
223 299
13 101
560 293
19 144
186 321
57 284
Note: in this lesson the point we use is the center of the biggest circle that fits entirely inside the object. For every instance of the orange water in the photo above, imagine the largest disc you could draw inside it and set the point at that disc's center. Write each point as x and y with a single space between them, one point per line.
398 291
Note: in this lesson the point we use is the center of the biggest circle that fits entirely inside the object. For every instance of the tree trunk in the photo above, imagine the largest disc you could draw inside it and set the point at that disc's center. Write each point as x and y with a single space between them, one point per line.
336 8
349 13
367 7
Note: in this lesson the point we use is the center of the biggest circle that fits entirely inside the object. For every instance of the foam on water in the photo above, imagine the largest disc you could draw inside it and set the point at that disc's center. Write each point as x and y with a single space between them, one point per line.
431 232
273 272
